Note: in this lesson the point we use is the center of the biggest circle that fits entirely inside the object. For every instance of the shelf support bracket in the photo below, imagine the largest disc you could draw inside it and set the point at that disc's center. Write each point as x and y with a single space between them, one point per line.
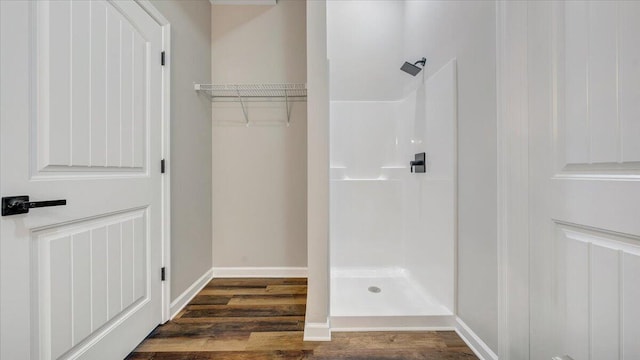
286 100
244 109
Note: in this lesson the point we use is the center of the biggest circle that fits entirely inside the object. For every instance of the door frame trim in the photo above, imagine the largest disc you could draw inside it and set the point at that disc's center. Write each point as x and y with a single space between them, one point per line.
166 142
513 180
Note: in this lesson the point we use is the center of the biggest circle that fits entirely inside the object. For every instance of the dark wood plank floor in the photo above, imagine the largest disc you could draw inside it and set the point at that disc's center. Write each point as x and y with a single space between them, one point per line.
241 319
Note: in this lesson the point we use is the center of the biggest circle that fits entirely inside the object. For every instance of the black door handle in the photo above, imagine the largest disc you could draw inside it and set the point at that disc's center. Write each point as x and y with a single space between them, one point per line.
13 205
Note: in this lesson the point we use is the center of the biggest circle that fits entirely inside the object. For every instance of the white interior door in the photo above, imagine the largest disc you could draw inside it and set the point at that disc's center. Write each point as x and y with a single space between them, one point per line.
80 120
584 123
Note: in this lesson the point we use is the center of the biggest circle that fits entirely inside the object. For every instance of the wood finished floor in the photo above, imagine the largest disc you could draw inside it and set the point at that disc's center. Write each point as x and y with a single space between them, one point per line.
242 319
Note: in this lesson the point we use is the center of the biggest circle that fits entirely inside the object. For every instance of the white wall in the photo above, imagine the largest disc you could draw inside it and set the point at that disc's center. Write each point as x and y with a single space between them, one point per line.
259 171
317 326
441 30
364 42
190 161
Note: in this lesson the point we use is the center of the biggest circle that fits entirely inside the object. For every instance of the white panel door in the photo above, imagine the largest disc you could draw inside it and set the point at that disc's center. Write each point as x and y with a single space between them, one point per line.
80 120
584 123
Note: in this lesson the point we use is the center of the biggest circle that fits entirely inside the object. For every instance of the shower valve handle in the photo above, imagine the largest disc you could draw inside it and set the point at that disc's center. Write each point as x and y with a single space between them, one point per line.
416 163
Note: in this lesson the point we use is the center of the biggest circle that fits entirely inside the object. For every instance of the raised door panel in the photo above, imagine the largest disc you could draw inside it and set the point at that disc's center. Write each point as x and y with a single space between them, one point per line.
598 292
89 274
630 299
628 79
92 90
597 98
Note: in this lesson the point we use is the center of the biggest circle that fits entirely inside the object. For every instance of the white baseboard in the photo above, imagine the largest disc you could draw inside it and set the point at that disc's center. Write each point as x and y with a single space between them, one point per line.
393 323
181 301
474 342
317 331
259 272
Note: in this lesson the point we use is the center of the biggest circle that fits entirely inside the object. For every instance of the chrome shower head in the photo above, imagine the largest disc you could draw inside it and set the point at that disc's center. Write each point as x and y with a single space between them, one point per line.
413 69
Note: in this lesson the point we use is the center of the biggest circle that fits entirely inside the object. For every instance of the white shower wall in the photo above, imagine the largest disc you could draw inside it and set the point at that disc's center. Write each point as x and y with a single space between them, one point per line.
389 227
364 41
384 219
430 198
368 146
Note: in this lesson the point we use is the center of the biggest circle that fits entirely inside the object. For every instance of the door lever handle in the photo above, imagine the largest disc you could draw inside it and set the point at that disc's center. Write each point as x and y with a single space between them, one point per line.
13 205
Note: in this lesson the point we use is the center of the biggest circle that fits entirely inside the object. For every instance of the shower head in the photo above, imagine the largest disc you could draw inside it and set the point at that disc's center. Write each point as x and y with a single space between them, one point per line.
413 69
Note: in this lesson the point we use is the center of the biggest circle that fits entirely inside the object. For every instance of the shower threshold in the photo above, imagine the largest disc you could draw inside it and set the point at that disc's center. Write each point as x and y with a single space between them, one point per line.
383 299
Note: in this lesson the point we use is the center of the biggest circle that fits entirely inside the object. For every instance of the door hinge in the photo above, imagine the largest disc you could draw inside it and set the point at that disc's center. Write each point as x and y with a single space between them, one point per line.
162 274
162 58
162 166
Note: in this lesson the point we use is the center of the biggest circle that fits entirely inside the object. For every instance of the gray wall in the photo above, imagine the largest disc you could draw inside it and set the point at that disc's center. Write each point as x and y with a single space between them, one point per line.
190 161
441 30
259 171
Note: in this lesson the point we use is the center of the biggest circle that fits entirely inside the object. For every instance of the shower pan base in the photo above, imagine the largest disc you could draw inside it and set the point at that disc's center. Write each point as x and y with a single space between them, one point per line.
393 323
383 299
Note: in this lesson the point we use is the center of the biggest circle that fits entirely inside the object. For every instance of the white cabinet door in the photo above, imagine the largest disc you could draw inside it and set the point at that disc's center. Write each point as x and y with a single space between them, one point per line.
584 151
80 120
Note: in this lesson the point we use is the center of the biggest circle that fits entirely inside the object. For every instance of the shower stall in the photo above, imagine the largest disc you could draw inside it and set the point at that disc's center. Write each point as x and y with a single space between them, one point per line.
393 231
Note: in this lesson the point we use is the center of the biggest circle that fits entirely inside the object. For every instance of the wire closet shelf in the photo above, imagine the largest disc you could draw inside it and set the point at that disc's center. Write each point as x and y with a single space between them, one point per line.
245 93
